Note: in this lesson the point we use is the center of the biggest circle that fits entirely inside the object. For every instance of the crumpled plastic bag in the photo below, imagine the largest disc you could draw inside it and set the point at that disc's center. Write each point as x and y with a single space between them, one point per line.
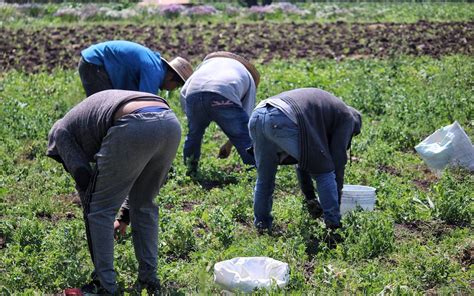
245 274
449 145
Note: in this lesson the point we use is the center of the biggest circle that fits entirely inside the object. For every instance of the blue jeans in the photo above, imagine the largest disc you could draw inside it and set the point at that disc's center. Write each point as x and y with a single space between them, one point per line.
273 135
201 109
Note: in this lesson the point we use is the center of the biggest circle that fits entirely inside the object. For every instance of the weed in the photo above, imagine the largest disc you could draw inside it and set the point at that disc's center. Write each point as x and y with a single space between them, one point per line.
203 221
367 235
455 198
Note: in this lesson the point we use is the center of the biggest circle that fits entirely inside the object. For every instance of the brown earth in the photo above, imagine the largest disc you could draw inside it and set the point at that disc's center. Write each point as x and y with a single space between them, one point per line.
35 50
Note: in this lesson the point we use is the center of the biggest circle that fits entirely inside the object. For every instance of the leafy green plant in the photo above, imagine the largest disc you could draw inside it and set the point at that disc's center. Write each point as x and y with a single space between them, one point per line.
222 226
366 235
178 239
209 219
455 199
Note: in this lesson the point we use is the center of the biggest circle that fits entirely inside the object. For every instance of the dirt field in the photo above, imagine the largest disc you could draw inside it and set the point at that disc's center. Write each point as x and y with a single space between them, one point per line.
46 48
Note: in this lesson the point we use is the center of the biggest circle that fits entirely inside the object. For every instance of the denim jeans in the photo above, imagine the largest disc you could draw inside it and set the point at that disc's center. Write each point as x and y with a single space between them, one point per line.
94 78
273 133
327 191
201 109
134 159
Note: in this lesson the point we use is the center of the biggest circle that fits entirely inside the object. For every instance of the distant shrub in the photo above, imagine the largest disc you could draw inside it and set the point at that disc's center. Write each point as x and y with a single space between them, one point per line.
260 10
69 13
232 10
201 10
289 8
172 10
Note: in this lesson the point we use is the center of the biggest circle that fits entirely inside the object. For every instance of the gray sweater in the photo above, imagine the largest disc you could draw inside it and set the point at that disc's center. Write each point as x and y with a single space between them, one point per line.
224 76
77 137
327 126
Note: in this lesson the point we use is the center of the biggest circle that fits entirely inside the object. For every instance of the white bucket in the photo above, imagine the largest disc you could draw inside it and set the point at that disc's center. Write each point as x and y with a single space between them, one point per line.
357 195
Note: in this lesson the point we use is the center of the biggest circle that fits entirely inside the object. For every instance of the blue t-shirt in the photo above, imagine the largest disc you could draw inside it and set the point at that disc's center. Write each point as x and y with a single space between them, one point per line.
130 65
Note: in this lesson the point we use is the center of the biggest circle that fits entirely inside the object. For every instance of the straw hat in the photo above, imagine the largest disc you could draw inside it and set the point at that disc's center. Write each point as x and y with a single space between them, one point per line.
181 66
225 54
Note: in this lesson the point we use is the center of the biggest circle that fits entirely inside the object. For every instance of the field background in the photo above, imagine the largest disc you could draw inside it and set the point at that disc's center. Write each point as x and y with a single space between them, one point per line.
408 67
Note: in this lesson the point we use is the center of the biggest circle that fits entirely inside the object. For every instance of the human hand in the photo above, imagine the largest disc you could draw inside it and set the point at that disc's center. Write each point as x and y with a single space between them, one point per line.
120 228
225 150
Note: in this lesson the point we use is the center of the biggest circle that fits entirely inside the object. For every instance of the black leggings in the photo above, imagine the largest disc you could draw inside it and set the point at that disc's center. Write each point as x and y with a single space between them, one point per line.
94 78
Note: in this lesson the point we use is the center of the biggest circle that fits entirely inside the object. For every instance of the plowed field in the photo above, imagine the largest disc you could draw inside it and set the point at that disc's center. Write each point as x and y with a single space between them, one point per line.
39 49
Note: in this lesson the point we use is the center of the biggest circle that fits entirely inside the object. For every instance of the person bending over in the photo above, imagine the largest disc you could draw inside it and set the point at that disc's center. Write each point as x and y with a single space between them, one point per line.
118 144
127 65
313 129
223 90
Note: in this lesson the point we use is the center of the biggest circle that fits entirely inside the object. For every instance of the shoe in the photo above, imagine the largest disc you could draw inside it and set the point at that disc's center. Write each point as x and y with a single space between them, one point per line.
332 226
95 288
314 208
333 237
191 168
152 287
261 230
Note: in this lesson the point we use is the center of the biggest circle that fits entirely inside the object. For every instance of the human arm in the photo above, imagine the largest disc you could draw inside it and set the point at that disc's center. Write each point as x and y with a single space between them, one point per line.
123 218
339 143
306 184
73 158
225 150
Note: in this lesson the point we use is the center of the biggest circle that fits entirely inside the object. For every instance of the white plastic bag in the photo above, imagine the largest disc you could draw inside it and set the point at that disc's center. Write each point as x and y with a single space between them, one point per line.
449 145
245 274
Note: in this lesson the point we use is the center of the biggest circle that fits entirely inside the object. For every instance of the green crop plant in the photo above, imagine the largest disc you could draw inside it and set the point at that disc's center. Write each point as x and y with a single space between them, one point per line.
222 225
366 235
455 199
177 239
417 240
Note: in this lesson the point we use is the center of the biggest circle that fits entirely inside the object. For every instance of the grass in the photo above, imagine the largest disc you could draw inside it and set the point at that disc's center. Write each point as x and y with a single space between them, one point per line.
419 240
409 12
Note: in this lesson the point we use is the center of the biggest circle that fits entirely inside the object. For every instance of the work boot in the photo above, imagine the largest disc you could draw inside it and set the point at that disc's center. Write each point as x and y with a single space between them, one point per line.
95 288
191 167
333 237
261 229
152 287
314 208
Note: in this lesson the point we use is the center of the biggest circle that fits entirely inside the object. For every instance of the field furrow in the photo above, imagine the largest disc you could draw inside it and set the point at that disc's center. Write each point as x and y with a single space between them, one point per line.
33 50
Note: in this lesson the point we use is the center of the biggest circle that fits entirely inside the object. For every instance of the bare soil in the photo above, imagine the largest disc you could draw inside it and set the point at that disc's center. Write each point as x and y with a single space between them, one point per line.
34 50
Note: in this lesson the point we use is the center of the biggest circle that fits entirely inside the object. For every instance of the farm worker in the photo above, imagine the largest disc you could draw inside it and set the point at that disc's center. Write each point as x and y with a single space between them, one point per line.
313 129
130 66
131 139
223 90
